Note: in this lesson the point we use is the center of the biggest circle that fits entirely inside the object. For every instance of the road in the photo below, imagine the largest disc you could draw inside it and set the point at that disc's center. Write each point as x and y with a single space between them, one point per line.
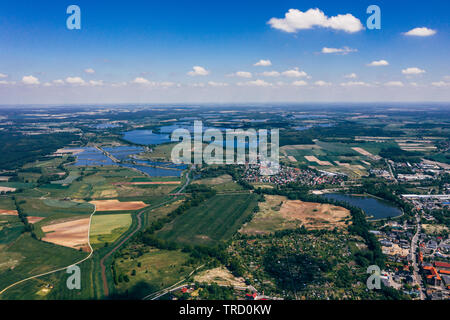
139 226
416 275
390 170
102 261
59 269
175 286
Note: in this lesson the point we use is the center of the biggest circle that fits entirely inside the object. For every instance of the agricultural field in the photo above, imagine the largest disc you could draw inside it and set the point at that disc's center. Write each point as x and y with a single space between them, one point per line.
7 203
161 152
138 276
72 233
32 257
100 183
277 213
352 159
107 228
42 207
223 183
162 211
216 219
10 229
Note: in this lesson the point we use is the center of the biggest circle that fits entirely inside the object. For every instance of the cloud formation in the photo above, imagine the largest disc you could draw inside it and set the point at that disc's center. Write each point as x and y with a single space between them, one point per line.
255 83
263 63
378 63
420 32
440 84
198 71
30 80
242 74
75 81
270 74
351 76
354 84
299 83
344 50
394 84
413 71
294 73
295 20
321 83
89 71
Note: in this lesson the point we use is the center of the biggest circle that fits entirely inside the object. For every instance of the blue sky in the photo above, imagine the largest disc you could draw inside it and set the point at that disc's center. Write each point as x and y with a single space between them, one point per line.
143 51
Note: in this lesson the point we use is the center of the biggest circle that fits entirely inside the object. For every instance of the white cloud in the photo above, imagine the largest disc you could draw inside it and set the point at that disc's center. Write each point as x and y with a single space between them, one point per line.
30 80
354 84
446 77
141 80
295 20
2 75
197 85
58 81
4 82
75 81
412 71
47 84
89 70
255 83
394 84
147 83
378 63
217 84
343 50
96 83
351 76
294 73
440 84
241 74
119 84
270 74
263 63
321 83
420 32
167 84
299 83
198 71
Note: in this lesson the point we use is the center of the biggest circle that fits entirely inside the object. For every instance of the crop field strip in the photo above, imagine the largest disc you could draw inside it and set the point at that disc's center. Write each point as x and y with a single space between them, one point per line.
215 220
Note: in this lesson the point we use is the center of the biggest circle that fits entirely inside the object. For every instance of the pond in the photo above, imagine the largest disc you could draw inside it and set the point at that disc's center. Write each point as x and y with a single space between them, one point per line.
373 207
93 157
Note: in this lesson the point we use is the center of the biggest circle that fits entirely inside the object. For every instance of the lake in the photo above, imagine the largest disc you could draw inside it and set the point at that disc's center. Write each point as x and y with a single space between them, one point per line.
377 208
145 137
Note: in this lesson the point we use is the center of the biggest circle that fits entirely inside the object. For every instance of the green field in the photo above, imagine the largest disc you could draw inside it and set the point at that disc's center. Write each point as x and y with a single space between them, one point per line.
107 228
103 183
46 207
214 220
32 257
154 270
223 183
7 203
